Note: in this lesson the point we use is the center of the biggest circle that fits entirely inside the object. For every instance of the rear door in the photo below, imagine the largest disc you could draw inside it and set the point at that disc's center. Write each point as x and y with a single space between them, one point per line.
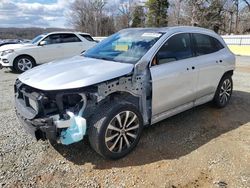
71 44
209 55
87 41
174 77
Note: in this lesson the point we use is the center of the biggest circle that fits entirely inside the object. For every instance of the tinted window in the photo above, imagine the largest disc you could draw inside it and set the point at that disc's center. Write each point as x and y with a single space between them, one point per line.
206 44
176 48
87 37
53 39
217 44
65 38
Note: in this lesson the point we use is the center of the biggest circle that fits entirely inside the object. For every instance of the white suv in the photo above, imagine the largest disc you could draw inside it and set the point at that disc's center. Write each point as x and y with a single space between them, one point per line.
44 48
134 78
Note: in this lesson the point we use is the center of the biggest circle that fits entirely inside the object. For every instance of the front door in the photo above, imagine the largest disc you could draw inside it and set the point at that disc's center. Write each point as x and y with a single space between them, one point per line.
174 75
52 50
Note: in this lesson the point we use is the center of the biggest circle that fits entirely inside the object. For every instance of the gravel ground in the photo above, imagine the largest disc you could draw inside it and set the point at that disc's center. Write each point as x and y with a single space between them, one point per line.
202 147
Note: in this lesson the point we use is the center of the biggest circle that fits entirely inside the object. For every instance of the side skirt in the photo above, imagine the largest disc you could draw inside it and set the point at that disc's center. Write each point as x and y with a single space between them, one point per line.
159 117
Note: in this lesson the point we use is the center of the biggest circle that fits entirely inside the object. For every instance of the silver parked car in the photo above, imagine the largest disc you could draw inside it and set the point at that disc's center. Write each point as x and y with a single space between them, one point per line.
133 78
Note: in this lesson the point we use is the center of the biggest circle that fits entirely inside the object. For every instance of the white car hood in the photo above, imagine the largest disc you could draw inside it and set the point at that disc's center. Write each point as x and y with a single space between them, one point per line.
72 73
14 46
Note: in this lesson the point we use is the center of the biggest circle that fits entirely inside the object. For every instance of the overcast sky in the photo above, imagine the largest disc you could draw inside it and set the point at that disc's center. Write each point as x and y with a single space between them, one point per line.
35 13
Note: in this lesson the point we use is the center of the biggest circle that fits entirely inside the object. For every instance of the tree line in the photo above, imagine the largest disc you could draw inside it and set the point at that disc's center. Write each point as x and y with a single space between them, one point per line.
25 33
101 19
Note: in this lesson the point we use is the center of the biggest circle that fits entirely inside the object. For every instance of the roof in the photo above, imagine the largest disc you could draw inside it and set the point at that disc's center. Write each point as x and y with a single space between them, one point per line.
61 32
175 28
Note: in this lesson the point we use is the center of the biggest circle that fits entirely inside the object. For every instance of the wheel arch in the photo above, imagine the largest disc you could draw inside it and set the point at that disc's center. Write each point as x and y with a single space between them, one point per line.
126 96
229 72
24 55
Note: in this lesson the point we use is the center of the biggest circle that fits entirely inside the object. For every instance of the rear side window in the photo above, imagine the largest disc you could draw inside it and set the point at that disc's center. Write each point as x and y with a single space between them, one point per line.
176 48
66 38
87 37
205 44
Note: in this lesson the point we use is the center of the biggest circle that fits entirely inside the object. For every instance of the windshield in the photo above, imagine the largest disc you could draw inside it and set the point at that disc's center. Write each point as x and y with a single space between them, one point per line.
127 46
37 38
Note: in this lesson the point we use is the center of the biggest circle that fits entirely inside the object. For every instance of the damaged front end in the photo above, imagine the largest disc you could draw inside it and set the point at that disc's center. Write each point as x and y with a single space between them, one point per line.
53 115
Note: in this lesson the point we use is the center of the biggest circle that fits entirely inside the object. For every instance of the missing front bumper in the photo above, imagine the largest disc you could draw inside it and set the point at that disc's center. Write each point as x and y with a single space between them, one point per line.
43 129
47 129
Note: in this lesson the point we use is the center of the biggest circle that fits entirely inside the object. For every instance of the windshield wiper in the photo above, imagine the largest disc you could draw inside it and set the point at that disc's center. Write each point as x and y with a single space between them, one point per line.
103 58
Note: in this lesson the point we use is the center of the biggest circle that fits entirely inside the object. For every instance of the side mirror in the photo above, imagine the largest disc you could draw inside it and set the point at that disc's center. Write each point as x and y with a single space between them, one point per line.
43 43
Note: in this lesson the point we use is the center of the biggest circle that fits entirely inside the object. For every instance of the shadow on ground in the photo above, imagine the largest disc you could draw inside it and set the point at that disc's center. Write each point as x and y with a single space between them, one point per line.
172 138
9 71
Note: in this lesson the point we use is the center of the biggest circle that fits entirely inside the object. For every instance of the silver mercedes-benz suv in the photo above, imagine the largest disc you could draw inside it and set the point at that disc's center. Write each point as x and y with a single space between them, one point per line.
134 78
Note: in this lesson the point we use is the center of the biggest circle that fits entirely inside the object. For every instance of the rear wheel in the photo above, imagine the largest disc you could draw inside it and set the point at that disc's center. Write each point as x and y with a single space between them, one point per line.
224 91
23 63
115 129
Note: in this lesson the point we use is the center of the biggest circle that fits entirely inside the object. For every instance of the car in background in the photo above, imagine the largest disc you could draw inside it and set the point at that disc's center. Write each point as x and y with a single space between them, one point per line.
5 42
44 48
13 41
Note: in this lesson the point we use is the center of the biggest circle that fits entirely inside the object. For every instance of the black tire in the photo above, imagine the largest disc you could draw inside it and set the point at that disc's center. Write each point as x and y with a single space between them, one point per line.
25 58
99 129
224 91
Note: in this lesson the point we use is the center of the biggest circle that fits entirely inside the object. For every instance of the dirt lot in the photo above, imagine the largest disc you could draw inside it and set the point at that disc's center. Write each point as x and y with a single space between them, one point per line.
203 147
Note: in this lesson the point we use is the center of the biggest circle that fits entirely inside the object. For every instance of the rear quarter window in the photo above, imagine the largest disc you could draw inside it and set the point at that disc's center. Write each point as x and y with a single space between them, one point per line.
217 44
87 37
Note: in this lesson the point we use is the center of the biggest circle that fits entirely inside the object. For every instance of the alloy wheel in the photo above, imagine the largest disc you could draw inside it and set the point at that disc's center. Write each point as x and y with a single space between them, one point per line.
225 91
122 131
24 64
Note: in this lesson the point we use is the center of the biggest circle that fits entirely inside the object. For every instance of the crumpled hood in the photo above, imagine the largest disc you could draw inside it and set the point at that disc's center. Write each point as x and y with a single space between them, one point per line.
74 72
15 46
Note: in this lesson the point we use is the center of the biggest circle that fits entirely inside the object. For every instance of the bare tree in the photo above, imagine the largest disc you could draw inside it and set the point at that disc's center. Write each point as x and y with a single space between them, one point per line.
97 8
126 12
248 3
86 15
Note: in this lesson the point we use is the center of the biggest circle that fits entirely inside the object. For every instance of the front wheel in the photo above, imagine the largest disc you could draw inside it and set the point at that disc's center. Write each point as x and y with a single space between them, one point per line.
224 91
115 129
23 63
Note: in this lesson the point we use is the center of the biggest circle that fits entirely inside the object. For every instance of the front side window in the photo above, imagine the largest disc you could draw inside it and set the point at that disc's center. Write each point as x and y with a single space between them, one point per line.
205 44
53 39
176 48
66 38
127 46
